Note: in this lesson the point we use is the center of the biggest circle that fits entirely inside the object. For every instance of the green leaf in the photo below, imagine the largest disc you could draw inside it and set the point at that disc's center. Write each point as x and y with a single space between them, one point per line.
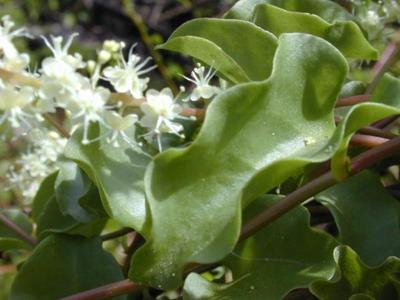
367 217
70 186
344 35
44 193
251 131
326 9
118 174
354 280
387 92
9 240
287 254
64 265
50 219
216 43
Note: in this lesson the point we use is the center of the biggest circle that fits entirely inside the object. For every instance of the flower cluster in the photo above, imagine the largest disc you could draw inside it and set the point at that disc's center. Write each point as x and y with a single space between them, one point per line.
81 90
372 16
37 163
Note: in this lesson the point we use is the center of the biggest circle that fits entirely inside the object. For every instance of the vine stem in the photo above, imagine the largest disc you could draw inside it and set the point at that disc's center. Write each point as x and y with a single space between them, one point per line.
352 100
384 63
361 162
116 234
316 186
18 230
107 291
368 141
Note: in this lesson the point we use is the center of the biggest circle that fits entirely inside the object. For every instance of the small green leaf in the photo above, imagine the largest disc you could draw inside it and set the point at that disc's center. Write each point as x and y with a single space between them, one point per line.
287 254
50 219
354 280
118 174
388 93
64 265
345 35
44 193
70 186
326 9
216 43
9 240
367 217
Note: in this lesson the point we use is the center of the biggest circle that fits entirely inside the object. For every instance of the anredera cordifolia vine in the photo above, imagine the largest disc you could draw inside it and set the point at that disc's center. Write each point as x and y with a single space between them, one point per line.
274 172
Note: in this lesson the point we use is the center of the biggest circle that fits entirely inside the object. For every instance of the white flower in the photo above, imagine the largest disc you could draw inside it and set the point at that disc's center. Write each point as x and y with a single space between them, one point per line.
119 125
7 35
60 52
60 78
126 78
159 111
203 88
48 144
37 163
89 104
14 102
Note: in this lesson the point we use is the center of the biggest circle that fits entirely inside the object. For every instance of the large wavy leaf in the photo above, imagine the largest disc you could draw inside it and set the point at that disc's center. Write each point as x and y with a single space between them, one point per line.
368 218
118 174
286 255
354 280
344 35
64 265
326 9
238 50
250 132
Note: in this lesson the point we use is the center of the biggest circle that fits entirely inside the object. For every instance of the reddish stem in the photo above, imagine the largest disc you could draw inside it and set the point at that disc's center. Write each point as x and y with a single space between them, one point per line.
352 100
18 230
107 291
367 140
323 182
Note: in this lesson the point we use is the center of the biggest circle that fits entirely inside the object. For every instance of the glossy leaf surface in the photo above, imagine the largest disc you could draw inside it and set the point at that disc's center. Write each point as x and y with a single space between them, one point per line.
250 131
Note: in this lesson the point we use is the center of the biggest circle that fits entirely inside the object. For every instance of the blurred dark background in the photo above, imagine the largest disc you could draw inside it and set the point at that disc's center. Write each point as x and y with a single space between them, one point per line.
145 22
